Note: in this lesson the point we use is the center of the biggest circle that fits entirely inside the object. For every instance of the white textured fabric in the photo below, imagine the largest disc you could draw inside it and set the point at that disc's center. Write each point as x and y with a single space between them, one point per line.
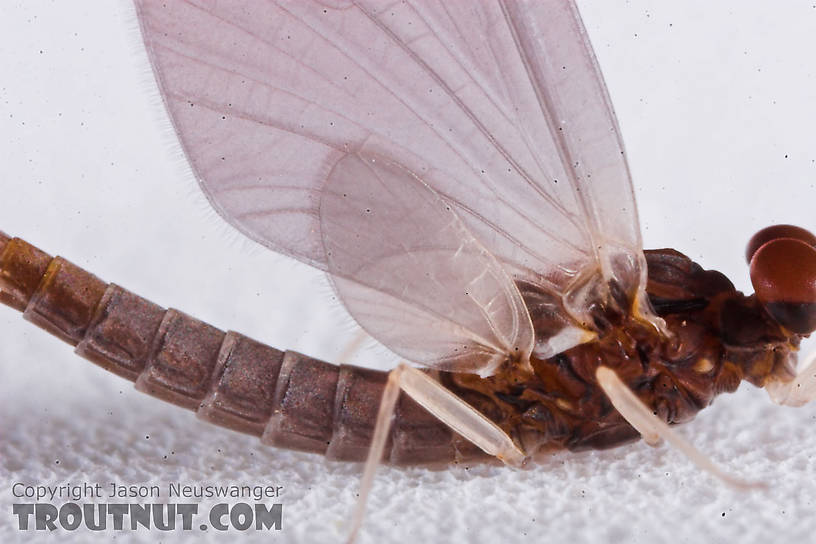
718 127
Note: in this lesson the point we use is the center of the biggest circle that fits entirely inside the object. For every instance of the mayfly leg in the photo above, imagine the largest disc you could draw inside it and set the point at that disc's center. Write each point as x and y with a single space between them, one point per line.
381 428
444 405
352 347
799 391
653 429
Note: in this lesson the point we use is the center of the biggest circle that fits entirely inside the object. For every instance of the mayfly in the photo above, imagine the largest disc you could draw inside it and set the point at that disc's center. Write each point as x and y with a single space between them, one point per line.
460 175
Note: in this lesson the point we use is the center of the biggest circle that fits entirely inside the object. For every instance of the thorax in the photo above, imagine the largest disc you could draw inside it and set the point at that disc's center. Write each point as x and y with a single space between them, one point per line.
718 338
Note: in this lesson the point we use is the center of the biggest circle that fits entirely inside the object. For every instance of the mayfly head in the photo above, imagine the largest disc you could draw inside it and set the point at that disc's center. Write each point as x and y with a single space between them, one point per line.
782 261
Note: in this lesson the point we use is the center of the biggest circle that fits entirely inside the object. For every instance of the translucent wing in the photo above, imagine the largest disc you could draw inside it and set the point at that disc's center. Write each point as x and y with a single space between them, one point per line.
498 107
413 275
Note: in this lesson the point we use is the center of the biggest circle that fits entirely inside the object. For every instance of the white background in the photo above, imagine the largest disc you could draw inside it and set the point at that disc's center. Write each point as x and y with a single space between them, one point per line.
717 105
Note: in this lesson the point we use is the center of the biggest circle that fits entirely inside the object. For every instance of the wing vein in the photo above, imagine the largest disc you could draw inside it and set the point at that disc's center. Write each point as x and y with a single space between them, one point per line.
546 106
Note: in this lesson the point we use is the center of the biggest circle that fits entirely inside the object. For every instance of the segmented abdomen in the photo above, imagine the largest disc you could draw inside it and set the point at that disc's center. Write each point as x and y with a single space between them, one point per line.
288 399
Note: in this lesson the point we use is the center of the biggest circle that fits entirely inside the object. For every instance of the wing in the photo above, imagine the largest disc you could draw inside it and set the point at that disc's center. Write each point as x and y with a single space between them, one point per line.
412 274
498 107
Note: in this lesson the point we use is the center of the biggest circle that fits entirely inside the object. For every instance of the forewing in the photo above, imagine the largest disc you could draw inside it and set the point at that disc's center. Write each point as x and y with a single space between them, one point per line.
499 107
411 273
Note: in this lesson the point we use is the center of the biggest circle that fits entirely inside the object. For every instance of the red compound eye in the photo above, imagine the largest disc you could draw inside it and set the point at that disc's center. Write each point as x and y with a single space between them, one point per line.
774 232
783 272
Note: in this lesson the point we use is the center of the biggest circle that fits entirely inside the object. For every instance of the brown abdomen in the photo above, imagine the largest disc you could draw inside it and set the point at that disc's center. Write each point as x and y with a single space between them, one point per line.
288 399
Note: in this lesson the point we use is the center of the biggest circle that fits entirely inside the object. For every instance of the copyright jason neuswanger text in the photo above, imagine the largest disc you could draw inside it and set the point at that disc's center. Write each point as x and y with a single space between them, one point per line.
97 507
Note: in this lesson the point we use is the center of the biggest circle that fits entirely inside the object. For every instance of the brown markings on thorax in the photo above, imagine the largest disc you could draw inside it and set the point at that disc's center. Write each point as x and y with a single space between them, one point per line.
720 338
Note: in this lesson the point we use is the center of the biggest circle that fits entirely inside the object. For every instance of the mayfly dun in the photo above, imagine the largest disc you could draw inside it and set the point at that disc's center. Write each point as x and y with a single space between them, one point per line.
460 177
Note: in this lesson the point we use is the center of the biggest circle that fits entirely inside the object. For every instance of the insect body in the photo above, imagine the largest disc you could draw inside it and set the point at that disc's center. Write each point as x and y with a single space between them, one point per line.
719 337
291 400
467 193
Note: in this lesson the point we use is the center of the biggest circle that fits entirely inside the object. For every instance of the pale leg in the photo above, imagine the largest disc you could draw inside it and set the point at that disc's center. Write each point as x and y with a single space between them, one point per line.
351 348
653 429
801 390
448 408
